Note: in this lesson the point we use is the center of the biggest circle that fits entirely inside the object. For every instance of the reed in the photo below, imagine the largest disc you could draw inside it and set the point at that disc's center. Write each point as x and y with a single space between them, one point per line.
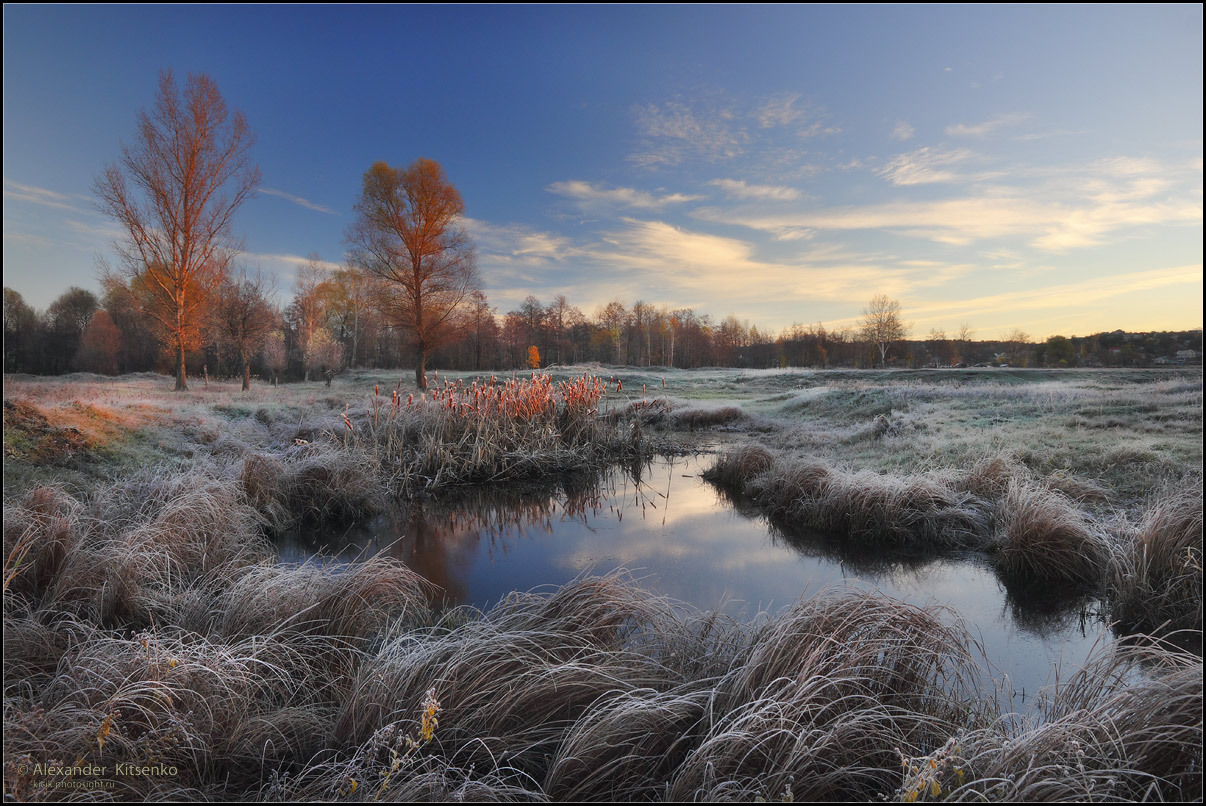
492 431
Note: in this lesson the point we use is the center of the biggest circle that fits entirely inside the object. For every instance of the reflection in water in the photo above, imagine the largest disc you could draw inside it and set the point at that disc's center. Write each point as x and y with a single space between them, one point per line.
687 540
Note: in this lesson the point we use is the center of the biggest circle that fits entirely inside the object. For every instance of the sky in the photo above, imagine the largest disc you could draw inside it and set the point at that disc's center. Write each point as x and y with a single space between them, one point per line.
1004 167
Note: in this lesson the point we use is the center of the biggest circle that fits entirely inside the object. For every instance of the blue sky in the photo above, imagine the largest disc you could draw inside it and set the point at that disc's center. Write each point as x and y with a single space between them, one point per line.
1009 167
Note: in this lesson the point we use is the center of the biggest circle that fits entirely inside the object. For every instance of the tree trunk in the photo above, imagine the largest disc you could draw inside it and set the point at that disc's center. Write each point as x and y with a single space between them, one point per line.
181 377
246 373
421 372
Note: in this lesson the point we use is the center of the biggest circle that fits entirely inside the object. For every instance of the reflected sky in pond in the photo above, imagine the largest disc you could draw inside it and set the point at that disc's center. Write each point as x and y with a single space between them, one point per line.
683 538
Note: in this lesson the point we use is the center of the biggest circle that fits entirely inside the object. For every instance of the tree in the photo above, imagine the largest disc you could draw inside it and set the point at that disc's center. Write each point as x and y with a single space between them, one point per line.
1018 342
612 319
939 346
100 345
174 195
309 310
1058 351
243 317
20 332
882 325
66 320
533 357
407 232
273 353
965 336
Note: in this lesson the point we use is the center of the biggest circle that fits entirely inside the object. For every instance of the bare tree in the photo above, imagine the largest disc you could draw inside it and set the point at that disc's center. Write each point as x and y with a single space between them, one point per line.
965 336
190 170
243 316
882 325
612 319
1018 342
408 233
309 308
273 353
558 314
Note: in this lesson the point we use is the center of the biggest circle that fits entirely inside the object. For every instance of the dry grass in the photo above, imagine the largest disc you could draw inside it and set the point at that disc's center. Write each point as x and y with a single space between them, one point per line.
1044 538
495 431
144 620
864 506
1155 579
1108 733
310 683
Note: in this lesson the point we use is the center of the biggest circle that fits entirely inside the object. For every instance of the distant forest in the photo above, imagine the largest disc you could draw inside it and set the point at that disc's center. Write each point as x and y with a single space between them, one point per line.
333 323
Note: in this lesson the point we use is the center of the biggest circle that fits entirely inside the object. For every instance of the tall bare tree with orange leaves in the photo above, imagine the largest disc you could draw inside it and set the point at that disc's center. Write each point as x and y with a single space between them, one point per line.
174 194
408 233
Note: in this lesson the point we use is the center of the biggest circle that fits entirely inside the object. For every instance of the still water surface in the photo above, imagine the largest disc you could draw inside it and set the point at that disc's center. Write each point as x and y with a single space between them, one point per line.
683 538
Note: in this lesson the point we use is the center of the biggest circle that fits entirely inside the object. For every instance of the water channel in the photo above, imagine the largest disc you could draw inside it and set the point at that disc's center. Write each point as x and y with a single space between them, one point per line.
685 539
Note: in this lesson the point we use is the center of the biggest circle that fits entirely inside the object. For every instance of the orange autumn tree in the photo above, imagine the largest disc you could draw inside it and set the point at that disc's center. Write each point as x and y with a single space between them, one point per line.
408 233
533 357
174 195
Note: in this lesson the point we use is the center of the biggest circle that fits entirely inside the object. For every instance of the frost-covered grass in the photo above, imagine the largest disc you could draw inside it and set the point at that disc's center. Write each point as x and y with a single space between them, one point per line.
147 621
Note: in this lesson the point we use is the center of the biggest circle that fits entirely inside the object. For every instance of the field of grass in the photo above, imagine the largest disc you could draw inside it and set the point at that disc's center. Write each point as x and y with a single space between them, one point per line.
147 622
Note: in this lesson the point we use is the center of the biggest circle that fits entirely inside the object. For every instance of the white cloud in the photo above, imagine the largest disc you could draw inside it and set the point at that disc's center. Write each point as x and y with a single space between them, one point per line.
284 263
986 127
714 128
1077 207
298 200
36 195
740 189
25 238
924 166
779 111
674 132
589 194
1046 135
902 131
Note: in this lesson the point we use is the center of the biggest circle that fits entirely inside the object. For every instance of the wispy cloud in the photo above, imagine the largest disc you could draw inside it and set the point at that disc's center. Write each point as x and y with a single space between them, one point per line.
983 128
27 239
674 132
517 244
298 200
1050 134
1075 208
717 128
779 111
591 195
902 131
924 166
46 198
739 188
1047 225
284 264
108 231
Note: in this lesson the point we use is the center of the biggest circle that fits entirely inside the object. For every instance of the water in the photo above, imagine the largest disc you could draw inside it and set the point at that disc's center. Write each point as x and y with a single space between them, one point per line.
683 538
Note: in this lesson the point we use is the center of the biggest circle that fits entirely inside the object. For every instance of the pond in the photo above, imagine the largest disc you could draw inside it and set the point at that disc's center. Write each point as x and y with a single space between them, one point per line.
683 538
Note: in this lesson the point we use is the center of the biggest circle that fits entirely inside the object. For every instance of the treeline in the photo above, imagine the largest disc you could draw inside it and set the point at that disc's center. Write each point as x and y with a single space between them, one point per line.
336 320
